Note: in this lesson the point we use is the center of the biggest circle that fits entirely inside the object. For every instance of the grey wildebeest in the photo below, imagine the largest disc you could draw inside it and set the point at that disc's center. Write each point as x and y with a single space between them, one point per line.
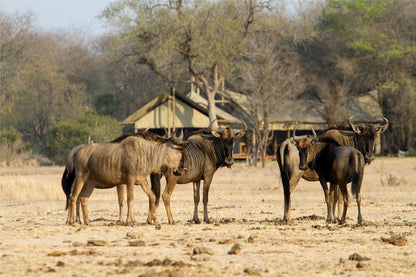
206 151
127 160
361 136
338 165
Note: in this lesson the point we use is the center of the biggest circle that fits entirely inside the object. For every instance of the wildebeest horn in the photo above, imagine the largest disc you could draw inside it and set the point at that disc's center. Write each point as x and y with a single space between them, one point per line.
213 131
354 127
383 128
314 133
240 133
294 132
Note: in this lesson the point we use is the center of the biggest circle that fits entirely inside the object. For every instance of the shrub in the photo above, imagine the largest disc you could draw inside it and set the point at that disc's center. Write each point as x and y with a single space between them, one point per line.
63 137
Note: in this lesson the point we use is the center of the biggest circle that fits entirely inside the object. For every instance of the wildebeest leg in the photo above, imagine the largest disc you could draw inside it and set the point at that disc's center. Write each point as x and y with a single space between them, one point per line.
75 191
344 191
130 197
78 215
151 215
170 186
121 192
207 183
326 192
84 196
340 201
196 185
289 186
332 189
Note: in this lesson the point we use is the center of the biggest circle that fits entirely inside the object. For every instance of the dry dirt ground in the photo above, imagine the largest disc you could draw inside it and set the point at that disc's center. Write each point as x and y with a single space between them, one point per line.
246 205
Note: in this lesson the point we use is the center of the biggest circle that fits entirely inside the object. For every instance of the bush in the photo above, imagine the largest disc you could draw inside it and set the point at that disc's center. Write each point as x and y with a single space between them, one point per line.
63 137
101 128
66 135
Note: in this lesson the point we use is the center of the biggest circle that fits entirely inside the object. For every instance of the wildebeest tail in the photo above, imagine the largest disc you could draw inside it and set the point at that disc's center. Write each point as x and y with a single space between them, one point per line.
67 181
155 181
280 159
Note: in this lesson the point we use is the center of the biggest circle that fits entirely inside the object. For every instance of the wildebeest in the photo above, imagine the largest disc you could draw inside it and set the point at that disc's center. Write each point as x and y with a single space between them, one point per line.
338 165
206 151
68 178
128 160
360 136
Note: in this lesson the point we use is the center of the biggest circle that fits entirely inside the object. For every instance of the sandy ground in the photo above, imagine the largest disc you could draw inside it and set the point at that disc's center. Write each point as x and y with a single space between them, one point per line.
246 205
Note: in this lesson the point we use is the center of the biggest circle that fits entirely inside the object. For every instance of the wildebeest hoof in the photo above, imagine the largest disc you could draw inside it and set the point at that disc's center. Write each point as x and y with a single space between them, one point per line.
131 223
120 222
196 221
172 222
208 221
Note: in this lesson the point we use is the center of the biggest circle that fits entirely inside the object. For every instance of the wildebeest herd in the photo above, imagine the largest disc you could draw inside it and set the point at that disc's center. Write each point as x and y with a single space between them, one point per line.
336 155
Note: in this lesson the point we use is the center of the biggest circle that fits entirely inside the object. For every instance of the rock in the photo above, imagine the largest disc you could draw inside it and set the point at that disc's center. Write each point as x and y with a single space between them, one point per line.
96 242
250 239
235 249
252 271
395 240
155 262
202 250
77 243
57 254
60 264
226 241
131 235
137 243
358 257
360 265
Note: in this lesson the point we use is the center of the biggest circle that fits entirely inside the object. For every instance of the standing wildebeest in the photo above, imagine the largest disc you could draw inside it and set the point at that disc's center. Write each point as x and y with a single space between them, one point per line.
338 165
68 178
360 136
206 151
128 160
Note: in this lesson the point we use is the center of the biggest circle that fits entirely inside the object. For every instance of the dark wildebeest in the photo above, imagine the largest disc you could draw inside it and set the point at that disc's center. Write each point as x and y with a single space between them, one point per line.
206 151
127 160
338 165
360 136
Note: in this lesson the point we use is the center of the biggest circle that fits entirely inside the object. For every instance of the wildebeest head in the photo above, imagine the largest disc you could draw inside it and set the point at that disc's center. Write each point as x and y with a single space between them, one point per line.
306 150
227 137
366 137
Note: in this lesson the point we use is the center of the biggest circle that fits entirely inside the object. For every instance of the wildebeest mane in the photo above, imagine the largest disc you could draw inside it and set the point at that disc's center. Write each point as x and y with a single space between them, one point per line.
144 134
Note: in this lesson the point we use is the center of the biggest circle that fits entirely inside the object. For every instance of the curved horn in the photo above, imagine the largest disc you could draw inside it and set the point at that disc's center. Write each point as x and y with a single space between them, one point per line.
384 127
214 132
241 133
314 133
354 127
294 132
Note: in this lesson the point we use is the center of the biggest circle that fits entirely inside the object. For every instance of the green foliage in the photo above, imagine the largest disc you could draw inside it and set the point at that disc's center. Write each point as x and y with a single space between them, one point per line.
101 128
9 136
107 104
63 137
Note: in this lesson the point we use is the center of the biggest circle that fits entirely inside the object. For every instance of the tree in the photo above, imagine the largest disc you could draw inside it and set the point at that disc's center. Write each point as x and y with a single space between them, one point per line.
172 37
268 75
378 36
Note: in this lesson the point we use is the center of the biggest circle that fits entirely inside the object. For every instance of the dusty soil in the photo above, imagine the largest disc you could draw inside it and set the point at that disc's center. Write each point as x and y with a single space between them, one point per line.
247 238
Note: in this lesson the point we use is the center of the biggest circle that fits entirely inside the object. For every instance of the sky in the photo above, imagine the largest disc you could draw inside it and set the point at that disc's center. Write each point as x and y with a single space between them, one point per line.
52 15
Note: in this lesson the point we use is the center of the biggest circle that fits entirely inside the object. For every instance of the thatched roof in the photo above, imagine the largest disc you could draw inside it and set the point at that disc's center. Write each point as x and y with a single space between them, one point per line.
307 113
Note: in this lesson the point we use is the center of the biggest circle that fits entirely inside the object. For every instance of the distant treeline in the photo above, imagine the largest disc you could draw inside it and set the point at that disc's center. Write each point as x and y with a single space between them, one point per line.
59 89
